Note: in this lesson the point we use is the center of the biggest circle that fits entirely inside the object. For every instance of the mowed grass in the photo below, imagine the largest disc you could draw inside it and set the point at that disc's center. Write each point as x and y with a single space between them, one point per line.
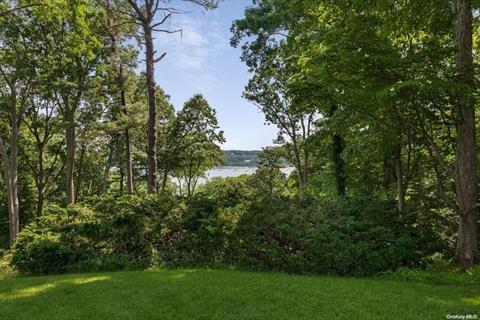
227 294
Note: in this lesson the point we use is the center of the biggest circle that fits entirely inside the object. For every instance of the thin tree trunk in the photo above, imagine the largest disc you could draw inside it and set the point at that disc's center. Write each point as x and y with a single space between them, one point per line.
339 165
465 160
40 180
10 169
78 187
305 164
180 192
340 177
388 172
14 226
152 113
165 178
298 164
123 103
15 216
128 146
189 180
399 177
108 164
398 164
70 161
122 177
40 201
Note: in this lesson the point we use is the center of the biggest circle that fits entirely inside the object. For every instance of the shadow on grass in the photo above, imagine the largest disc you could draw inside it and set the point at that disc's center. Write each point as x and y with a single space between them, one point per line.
223 294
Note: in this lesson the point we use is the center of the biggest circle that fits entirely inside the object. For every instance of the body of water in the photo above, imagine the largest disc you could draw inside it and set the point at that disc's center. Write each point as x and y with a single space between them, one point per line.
226 172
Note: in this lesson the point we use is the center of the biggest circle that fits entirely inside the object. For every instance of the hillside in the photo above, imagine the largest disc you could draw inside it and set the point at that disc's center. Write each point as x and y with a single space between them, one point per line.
241 158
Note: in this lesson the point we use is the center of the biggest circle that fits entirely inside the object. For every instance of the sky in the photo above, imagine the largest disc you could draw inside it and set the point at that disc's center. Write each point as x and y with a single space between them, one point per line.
201 60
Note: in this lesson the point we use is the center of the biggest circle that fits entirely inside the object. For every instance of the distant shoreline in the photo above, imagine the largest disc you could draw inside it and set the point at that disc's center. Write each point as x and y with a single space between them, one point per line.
241 166
244 158
235 171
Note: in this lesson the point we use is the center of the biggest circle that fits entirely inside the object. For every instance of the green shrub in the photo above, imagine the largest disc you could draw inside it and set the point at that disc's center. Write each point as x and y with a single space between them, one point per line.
40 253
227 223
108 235
6 267
323 239
438 274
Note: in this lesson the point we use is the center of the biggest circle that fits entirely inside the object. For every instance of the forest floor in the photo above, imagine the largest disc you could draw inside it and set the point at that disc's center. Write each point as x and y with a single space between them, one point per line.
228 294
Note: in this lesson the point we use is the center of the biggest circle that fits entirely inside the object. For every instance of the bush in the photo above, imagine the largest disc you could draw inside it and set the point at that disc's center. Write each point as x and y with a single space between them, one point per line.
41 253
100 234
227 223
325 239
438 274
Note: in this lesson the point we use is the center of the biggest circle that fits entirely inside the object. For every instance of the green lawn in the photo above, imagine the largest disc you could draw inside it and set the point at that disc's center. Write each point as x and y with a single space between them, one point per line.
227 294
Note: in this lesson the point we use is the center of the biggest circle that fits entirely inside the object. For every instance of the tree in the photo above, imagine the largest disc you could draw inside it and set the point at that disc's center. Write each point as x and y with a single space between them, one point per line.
465 157
144 14
269 90
70 32
269 178
167 143
195 139
43 124
121 59
16 72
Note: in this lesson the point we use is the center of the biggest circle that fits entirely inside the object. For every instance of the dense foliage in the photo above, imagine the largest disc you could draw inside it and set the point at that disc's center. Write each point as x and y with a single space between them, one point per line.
229 223
375 106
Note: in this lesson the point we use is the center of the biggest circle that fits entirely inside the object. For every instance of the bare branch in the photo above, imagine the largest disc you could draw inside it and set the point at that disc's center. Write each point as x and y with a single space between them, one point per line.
168 31
162 21
159 58
173 10
137 10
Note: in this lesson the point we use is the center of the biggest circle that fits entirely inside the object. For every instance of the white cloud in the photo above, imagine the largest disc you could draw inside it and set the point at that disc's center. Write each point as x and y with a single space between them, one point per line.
195 47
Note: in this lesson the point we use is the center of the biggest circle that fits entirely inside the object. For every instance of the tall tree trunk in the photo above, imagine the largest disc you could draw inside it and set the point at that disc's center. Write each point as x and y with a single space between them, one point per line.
306 165
78 186
10 169
108 164
40 201
128 146
465 160
189 180
70 161
152 112
393 172
165 178
12 196
340 177
122 177
389 171
297 159
339 165
399 177
15 216
40 180
123 103
13 208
